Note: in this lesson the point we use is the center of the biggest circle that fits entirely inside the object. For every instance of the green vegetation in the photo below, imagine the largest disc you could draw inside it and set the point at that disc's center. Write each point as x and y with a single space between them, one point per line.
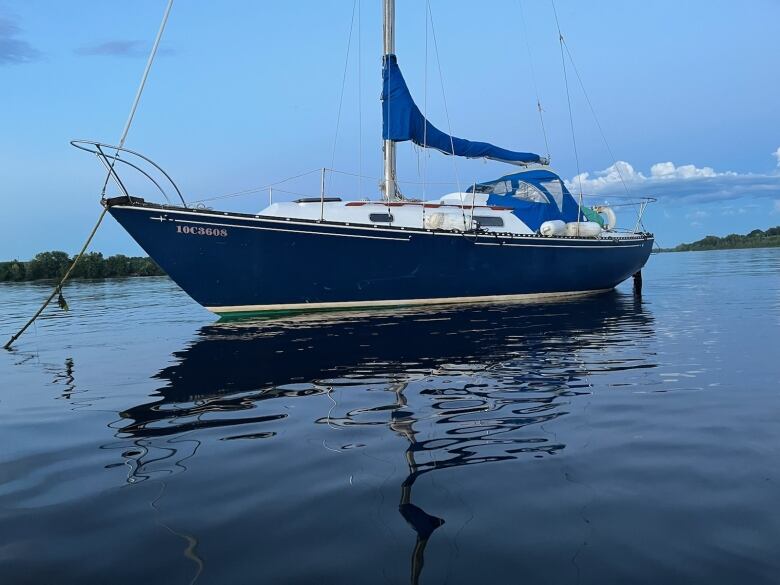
755 239
92 265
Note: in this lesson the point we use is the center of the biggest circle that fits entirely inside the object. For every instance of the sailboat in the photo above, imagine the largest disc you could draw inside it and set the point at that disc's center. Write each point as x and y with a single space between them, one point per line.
520 236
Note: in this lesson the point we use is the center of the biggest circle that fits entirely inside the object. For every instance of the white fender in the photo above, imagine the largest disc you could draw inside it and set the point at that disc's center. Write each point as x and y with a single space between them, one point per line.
610 217
583 229
554 227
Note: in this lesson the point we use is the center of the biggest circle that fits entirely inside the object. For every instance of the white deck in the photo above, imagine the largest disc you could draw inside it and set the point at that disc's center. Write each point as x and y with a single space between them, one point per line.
454 211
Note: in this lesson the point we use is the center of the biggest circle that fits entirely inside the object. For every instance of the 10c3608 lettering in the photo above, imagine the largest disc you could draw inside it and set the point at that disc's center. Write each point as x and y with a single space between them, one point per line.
201 231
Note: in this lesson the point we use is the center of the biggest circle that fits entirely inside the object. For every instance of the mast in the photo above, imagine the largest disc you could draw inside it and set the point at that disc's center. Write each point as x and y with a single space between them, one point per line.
389 183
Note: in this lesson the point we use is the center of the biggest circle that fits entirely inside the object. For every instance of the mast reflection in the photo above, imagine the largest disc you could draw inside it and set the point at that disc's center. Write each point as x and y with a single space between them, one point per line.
533 356
421 522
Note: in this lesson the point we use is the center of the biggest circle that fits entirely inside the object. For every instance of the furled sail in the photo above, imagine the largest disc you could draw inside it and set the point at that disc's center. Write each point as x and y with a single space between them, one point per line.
402 120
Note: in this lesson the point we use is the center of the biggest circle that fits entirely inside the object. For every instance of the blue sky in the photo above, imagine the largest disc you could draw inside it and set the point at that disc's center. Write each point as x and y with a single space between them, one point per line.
246 93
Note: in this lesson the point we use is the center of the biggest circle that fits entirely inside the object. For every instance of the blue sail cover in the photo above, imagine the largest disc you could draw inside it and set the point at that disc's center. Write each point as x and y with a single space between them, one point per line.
402 120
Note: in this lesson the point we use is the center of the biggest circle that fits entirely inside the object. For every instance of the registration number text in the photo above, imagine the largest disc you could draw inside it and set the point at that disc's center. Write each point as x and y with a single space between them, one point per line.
201 231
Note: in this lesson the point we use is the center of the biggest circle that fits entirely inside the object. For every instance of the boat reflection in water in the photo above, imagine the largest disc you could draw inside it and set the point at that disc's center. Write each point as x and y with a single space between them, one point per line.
480 380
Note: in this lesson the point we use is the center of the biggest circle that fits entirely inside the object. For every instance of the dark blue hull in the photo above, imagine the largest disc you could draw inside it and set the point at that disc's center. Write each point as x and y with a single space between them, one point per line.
242 263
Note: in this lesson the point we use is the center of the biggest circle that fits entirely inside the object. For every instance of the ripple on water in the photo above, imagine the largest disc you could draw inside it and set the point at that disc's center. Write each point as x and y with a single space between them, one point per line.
610 439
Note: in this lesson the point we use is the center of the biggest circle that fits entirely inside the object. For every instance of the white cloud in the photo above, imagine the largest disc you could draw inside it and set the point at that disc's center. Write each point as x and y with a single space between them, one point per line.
732 211
687 183
776 154
777 206
667 171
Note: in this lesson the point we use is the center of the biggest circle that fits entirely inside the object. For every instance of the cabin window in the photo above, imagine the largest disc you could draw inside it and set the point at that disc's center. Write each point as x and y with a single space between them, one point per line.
527 192
501 188
489 221
381 217
555 188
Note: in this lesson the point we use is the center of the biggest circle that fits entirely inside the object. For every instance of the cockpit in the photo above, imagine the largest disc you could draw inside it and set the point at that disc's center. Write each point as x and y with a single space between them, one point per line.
535 195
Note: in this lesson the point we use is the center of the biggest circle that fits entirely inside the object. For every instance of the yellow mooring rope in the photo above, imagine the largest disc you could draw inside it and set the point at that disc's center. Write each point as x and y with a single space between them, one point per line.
58 289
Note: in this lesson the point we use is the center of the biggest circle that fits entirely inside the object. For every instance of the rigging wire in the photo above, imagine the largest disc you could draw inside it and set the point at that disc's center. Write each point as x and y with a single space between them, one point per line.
148 68
616 166
446 112
387 170
533 78
399 181
425 117
386 105
58 289
595 117
565 46
343 84
571 115
141 86
360 100
258 189
265 187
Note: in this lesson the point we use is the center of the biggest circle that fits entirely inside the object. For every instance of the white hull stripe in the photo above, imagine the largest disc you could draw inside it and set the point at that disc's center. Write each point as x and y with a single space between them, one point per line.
604 243
271 229
590 246
579 247
400 302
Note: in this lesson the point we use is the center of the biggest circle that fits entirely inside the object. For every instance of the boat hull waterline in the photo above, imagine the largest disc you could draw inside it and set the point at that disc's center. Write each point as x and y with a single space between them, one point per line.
238 263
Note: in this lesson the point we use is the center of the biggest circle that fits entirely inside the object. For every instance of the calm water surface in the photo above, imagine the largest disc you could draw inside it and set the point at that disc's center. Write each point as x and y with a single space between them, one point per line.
609 440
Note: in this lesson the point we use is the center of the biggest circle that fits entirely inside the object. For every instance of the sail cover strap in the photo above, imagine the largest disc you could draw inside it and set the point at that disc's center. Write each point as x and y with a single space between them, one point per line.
402 120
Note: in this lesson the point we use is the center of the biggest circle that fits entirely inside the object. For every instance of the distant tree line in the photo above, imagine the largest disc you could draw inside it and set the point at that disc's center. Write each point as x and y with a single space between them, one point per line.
92 265
755 239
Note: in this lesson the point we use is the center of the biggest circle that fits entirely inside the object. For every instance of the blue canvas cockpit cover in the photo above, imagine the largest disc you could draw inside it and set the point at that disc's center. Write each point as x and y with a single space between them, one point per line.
402 120
554 199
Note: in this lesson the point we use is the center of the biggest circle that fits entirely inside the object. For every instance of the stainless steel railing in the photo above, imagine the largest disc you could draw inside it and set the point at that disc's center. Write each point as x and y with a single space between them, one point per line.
103 152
